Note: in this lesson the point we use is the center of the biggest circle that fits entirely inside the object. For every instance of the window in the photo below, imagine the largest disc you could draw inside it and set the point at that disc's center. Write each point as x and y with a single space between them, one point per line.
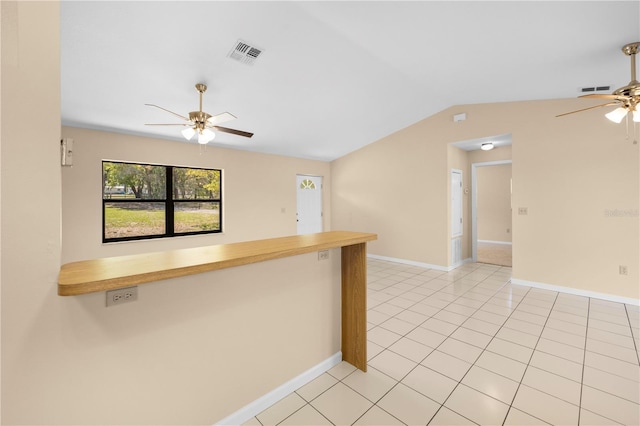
141 201
307 184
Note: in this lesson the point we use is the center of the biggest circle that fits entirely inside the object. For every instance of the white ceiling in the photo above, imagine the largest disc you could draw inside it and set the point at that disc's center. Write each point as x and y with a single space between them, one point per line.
333 76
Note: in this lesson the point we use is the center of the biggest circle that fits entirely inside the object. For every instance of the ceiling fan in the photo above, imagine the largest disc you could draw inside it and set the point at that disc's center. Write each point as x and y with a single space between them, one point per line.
627 97
201 123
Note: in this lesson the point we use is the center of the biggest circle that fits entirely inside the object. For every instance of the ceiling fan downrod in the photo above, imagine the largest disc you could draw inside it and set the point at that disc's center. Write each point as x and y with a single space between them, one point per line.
631 50
199 118
201 88
631 90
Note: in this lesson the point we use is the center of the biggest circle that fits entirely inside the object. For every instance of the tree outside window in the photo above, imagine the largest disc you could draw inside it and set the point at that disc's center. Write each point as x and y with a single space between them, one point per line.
153 201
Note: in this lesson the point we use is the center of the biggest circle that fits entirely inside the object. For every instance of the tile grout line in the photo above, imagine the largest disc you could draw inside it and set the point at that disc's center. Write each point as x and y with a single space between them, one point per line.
431 316
472 364
584 365
485 299
404 336
635 344
341 380
458 326
317 396
529 363
584 359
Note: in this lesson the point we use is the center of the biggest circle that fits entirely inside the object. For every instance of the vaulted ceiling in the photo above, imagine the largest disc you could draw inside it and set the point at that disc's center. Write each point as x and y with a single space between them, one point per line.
332 76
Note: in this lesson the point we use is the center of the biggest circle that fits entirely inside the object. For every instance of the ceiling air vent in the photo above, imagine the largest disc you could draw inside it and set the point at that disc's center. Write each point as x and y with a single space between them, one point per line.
595 89
244 52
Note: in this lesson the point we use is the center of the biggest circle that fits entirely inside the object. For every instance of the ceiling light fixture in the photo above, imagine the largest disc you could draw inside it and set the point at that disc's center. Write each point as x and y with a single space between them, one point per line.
487 146
621 112
205 136
628 95
626 98
617 114
200 123
188 133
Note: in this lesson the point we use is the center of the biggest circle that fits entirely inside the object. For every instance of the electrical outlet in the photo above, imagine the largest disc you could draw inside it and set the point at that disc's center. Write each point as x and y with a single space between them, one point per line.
523 211
622 269
122 295
323 255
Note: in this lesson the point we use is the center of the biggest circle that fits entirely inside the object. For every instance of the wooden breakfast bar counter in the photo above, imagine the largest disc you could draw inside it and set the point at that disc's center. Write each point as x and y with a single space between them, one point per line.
111 273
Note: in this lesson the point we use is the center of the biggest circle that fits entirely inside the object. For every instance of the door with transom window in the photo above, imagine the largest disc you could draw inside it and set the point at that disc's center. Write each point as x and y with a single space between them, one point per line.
309 204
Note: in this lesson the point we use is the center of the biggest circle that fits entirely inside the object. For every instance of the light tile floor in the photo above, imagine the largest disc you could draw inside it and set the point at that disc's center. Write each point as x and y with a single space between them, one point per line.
469 347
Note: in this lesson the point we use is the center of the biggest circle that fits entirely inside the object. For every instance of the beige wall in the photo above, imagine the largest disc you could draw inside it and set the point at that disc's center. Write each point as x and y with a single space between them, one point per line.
189 350
30 239
569 172
184 353
397 188
493 185
259 191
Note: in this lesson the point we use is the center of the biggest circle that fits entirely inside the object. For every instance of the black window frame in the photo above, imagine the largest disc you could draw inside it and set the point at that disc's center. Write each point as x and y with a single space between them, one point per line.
169 203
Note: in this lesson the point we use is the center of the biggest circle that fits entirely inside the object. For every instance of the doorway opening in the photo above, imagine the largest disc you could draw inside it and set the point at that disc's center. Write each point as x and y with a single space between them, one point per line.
491 212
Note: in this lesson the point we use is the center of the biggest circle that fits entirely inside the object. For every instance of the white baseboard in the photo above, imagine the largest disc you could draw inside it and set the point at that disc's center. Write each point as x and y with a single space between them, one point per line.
410 262
507 243
467 260
419 264
578 292
553 287
259 405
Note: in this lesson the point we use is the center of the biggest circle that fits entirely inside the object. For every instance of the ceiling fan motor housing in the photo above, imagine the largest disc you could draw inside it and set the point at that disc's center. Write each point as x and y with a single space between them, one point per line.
199 118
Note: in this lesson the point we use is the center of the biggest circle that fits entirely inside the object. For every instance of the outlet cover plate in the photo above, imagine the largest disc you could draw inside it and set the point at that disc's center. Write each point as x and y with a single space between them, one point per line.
122 295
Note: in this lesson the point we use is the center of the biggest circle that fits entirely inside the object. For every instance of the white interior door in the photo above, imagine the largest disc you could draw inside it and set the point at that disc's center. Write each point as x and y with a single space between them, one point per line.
309 204
456 203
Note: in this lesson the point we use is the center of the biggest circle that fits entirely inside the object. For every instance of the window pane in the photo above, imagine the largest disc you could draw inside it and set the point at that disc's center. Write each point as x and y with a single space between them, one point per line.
196 184
134 181
196 217
132 219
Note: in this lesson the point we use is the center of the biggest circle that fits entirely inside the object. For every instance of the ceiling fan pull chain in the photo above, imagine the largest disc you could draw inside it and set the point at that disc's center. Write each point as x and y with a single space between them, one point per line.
634 126
634 129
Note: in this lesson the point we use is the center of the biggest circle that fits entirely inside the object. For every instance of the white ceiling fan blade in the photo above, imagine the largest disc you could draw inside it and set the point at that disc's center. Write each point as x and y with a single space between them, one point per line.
220 118
170 112
167 124
621 98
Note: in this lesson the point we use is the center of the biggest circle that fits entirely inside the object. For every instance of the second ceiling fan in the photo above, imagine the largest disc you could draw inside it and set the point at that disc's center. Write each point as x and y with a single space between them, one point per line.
627 97
201 123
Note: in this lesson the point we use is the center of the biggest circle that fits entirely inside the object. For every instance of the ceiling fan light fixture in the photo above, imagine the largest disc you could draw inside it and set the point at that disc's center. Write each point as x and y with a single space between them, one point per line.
188 133
617 114
487 146
627 97
205 136
198 121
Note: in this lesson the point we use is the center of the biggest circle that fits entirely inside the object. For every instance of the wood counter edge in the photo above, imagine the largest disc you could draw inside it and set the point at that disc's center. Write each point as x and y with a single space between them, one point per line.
68 285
